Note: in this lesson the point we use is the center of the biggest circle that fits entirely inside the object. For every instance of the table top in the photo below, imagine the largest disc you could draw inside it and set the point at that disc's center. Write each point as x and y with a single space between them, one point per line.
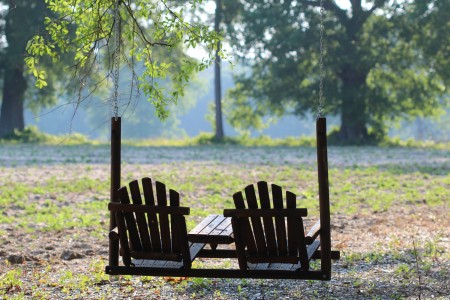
214 229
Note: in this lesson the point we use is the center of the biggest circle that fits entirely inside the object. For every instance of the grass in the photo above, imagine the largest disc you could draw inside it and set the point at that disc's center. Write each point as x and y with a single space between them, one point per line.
31 134
51 195
208 190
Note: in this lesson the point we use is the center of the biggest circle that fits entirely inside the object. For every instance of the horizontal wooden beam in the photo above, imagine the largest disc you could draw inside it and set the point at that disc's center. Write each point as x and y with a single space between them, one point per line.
218 253
334 254
155 255
168 210
265 212
217 273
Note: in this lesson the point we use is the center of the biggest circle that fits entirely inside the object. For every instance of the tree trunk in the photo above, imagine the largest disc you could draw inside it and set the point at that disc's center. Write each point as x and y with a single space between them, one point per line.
217 77
12 112
353 127
14 83
353 109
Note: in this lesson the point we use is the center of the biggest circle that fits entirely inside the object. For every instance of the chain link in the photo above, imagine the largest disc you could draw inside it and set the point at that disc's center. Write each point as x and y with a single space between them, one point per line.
116 57
320 109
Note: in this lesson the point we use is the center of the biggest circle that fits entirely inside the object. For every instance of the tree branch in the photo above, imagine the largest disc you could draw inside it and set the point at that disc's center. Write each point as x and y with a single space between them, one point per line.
376 5
366 14
142 34
331 6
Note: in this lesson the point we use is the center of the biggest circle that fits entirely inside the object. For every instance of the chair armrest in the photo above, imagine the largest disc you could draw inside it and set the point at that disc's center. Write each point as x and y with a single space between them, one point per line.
138 208
265 212
313 233
114 234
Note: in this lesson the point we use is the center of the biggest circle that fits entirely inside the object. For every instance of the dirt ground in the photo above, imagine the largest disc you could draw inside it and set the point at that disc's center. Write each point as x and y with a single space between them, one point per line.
400 253
394 234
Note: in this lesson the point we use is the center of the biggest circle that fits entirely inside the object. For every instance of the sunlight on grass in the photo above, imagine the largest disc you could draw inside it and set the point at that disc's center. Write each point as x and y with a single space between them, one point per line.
31 134
58 203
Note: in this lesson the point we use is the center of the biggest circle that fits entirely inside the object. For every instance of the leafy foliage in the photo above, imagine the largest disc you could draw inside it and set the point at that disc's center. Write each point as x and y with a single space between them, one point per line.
383 62
148 28
20 20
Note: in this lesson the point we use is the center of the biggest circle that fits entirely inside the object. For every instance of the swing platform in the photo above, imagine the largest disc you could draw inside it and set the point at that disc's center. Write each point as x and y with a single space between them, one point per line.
264 232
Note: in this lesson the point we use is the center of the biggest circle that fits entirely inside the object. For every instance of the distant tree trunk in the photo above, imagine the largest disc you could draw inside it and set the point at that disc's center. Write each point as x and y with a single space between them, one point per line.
353 110
12 112
353 127
14 83
420 129
217 76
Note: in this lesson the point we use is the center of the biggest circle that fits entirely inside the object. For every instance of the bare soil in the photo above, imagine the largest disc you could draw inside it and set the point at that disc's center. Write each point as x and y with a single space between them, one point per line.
400 253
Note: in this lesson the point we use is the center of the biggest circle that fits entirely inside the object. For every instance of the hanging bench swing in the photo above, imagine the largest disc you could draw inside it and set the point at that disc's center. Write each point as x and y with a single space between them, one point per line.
265 230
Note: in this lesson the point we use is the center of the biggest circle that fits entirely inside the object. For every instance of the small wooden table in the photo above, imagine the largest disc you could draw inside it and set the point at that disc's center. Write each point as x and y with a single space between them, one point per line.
214 230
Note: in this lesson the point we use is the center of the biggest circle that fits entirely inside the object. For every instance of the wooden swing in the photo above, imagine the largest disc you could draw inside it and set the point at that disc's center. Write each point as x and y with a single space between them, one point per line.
265 226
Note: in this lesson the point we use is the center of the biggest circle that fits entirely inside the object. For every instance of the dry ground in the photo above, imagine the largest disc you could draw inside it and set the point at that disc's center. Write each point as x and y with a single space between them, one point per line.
401 252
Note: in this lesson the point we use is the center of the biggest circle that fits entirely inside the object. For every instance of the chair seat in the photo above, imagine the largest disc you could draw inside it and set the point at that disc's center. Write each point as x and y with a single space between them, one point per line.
194 249
281 263
152 233
269 231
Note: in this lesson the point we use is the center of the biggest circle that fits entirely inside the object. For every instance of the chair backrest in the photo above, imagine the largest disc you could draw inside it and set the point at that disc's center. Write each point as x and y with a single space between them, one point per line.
153 229
265 238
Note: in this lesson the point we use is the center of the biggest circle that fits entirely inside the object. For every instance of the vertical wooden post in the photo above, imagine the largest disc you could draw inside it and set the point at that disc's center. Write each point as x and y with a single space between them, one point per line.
324 198
115 184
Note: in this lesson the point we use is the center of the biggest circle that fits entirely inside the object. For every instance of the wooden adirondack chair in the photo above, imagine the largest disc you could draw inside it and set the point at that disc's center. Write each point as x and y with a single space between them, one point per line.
263 241
152 234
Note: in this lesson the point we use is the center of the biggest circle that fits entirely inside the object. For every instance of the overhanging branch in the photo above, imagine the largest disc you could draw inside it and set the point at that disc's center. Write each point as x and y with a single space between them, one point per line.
141 32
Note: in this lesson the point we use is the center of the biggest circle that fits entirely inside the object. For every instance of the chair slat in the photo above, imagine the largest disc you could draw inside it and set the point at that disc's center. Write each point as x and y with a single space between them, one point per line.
148 191
130 221
277 198
161 197
264 198
175 221
152 218
247 233
292 229
123 238
256 222
239 239
140 217
302 250
188 256
135 192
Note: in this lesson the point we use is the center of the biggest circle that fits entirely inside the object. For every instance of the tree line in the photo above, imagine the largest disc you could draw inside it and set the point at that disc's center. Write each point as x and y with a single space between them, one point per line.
384 60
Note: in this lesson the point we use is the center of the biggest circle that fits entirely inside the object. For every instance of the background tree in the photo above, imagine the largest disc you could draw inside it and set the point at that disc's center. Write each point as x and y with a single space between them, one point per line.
146 28
22 20
224 14
377 66
219 135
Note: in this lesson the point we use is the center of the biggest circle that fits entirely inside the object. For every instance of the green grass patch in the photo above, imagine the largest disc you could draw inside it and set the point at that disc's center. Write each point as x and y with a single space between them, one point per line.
31 134
50 206
54 203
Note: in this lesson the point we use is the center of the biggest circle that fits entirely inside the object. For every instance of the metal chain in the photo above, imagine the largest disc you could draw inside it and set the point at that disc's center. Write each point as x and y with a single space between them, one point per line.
116 70
320 109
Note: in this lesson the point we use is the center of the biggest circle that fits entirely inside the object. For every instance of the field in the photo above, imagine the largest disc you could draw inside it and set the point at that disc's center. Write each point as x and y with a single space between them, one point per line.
390 219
